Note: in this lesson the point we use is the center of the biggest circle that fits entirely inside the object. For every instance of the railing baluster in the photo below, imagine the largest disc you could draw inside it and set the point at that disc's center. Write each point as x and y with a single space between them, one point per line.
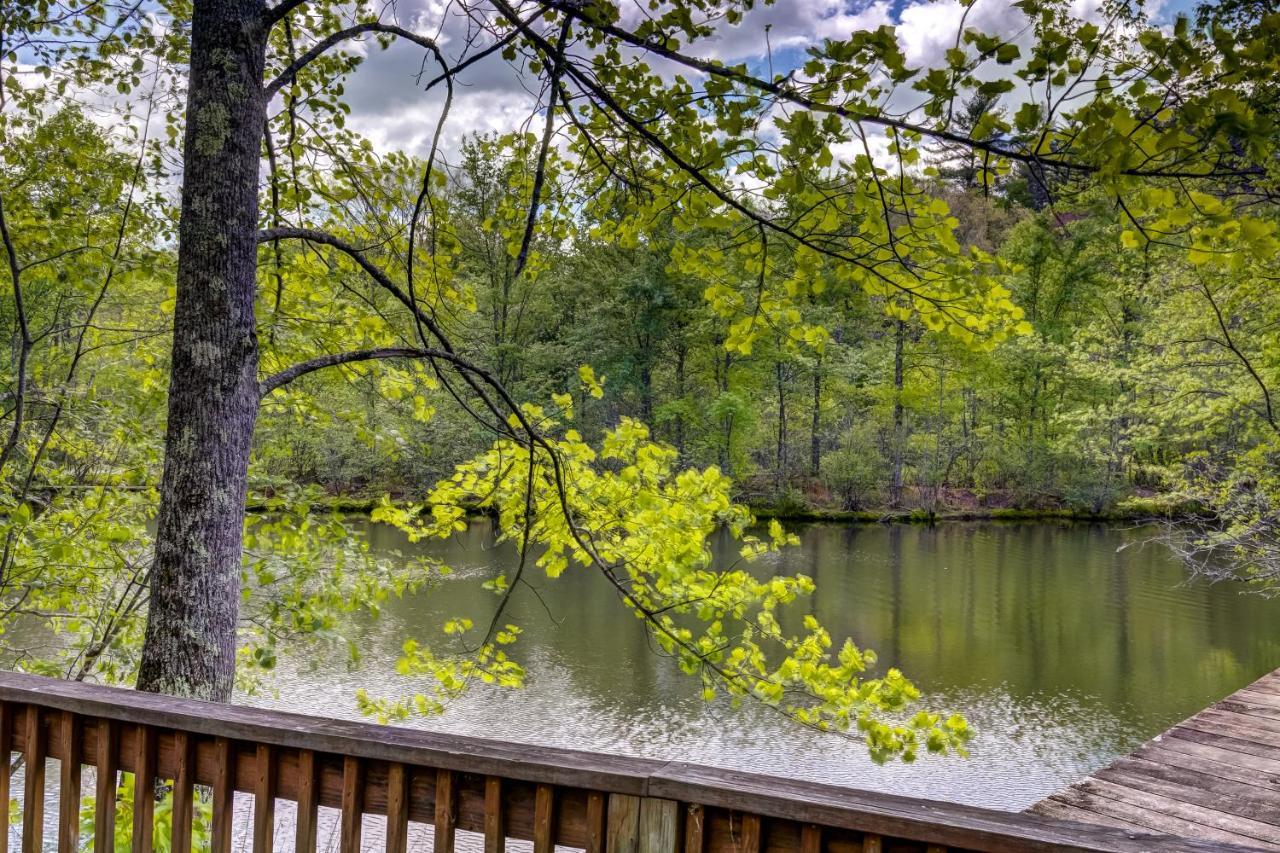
352 804
872 843
224 794
623 832
185 759
595 822
33 797
308 802
144 789
750 841
810 838
495 838
695 817
397 808
264 799
544 804
6 752
107 759
69 786
446 811
658 820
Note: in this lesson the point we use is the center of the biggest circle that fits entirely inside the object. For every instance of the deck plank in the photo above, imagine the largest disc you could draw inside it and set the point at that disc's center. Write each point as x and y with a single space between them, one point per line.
1231 743
1257 801
1238 811
1212 762
1249 708
1213 777
1221 751
1270 729
1152 821
1262 697
1209 723
1062 811
1146 802
1269 682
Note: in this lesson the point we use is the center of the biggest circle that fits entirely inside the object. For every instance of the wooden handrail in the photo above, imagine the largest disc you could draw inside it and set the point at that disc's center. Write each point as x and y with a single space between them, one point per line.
591 801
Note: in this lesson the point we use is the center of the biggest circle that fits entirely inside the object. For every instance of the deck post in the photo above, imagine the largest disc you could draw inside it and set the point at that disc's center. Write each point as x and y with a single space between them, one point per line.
446 811
6 751
69 785
144 787
224 793
264 799
495 834
658 822
751 838
811 838
695 829
308 803
623 824
105 787
183 811
595 828
33 795
352 821
397 808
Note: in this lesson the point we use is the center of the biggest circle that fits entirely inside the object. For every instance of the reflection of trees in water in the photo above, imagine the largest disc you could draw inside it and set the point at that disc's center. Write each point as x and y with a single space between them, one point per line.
1062 652
573 624
1038 609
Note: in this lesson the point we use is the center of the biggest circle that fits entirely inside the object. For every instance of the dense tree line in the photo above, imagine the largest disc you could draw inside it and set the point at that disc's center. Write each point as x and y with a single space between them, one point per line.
1125 376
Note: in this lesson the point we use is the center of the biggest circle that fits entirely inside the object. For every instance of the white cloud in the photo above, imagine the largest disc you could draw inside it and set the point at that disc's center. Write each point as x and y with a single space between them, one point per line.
389 106
926 31
792 25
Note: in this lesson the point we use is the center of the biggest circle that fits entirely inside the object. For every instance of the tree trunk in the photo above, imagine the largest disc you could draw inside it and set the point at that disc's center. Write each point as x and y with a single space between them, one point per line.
190 642
726 449
646 385
781 454
681 355
895 485
815 435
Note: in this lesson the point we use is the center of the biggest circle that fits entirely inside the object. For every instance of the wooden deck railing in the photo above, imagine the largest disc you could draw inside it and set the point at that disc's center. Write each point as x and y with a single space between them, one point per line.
552 797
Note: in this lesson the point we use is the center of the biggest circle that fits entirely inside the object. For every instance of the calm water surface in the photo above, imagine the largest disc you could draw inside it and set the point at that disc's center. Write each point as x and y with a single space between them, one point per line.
1063 650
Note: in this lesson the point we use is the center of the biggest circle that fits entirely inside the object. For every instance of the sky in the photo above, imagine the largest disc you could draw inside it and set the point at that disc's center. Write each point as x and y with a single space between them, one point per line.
390 108
395 114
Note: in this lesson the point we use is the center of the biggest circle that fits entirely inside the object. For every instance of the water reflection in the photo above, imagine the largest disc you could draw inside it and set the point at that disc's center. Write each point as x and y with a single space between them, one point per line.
1062 650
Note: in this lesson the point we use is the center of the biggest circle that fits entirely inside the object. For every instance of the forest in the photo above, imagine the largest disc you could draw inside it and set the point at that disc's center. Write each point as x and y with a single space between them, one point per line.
1037 276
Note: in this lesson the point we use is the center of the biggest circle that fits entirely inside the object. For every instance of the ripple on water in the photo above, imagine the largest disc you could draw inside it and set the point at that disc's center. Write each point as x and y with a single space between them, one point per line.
1061 651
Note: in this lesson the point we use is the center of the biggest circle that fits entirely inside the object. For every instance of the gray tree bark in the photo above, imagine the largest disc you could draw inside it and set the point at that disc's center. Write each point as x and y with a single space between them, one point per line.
190 642
899 438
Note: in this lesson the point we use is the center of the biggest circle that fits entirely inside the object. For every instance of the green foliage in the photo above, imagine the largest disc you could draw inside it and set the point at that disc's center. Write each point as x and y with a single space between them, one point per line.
644 523
855 471
162 826
767 295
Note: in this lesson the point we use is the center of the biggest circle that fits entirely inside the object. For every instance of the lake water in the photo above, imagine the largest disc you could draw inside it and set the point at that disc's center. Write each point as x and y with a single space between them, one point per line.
1061 647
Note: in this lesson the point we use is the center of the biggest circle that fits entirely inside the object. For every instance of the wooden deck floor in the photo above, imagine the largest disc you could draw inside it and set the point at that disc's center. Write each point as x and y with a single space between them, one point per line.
1214 777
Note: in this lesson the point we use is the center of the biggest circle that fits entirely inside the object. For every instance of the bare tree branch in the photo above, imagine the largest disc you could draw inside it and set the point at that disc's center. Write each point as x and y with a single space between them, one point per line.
319 48
782 92
24 339
540 173
476 378
278 12
302 368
